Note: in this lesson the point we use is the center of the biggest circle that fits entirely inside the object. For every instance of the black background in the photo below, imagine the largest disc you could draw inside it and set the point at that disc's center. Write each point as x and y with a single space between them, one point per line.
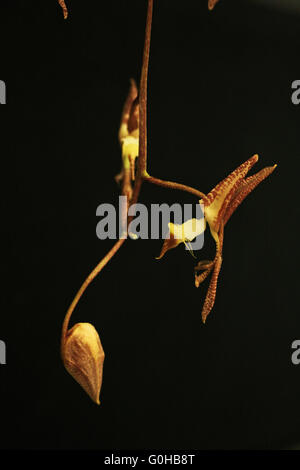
219 91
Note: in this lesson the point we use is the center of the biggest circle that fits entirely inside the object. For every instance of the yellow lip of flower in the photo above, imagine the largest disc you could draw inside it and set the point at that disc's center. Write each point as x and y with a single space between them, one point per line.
183 233
130 150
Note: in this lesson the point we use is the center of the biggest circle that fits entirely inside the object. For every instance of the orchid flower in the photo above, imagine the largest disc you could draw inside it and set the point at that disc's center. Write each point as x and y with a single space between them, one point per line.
219 206
129 139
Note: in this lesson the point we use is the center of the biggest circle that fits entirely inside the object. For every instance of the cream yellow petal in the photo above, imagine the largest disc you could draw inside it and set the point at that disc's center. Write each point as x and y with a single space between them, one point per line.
182 233
189 230
130 147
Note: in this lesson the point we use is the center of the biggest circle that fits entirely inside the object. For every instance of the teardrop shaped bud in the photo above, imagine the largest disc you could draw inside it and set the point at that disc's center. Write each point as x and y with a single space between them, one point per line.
83 357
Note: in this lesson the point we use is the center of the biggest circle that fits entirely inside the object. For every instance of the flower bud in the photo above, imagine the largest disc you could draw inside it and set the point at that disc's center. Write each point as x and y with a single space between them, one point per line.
83 357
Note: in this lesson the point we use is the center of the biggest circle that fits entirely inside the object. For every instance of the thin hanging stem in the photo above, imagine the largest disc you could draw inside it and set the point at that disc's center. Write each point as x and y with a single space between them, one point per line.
86 283
172 185
142 161
142 164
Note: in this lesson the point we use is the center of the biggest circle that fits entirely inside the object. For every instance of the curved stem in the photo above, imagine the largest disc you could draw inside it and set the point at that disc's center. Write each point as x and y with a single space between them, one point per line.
142 164
172 185
88 280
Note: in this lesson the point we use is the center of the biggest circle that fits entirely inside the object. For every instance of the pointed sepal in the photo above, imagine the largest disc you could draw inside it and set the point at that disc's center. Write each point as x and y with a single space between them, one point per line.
245 188
217 201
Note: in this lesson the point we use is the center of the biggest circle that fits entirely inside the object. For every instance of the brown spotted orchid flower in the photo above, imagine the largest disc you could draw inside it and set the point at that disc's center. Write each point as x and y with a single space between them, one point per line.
219 206
64 8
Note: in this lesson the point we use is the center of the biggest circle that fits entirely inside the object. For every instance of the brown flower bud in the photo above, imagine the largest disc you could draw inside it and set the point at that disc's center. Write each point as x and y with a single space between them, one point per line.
83 357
